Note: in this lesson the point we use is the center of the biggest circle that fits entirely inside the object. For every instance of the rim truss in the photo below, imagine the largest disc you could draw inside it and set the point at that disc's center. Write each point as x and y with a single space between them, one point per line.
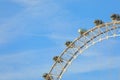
89 38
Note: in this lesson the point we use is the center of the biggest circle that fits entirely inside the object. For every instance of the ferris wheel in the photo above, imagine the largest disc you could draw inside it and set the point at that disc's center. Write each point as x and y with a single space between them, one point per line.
87 38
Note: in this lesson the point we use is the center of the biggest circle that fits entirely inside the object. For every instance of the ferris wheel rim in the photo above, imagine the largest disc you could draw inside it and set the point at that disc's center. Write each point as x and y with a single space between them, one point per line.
89 31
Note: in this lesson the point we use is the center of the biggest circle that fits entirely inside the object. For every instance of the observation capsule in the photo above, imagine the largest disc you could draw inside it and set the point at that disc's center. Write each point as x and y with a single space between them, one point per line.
115 17
47 76
68 43
58 59
98 22
81 31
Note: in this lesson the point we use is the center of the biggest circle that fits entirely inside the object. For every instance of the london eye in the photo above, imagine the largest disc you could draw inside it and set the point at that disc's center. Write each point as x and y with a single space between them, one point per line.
101 31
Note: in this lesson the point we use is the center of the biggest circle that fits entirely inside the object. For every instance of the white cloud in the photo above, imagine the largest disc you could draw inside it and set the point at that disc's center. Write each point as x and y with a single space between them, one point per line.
28 2
22 66
17 25
49 13
29 72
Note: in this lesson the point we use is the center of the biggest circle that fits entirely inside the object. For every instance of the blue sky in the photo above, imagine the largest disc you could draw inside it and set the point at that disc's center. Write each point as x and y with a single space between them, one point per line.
33 31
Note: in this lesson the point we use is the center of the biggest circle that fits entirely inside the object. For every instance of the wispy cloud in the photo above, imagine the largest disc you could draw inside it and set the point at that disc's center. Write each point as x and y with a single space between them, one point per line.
27 3
54 25
23 65
31 72
19 24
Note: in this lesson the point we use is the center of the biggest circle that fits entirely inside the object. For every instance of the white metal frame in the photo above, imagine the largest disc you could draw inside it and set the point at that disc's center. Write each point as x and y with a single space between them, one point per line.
89 38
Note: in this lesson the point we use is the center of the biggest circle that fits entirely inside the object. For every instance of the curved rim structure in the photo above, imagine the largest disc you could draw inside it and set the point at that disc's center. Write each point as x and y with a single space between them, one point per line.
89 38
